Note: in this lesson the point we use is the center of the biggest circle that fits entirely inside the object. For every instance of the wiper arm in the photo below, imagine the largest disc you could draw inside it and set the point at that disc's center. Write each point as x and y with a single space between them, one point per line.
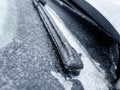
70 58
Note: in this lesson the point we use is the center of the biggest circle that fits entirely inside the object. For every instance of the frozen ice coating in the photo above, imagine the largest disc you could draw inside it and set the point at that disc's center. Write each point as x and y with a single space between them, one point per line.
110 9
66 83
6 32
90 77
118 85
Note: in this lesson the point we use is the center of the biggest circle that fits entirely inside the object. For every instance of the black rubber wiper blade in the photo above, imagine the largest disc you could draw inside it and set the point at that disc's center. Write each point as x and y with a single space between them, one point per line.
70 58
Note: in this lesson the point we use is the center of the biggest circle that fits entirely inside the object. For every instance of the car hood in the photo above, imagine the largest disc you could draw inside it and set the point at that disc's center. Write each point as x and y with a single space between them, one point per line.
105 12
110 9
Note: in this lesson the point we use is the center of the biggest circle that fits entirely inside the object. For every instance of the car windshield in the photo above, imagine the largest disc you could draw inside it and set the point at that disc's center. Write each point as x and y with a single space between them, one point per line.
110 9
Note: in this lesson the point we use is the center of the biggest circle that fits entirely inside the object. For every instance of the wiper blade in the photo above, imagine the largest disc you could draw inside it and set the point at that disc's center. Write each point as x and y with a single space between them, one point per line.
68 5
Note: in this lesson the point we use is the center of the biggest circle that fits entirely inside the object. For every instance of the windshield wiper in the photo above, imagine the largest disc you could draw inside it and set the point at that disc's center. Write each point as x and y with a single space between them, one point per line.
70 58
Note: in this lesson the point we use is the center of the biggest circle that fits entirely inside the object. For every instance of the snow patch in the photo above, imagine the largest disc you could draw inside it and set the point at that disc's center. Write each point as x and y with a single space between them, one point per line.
66 83
91 76
6 33
117 86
